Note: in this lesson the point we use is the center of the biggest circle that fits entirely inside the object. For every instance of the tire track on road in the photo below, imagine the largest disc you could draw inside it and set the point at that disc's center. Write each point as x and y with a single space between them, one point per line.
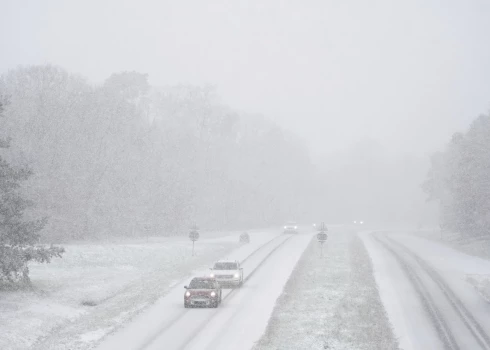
464 315
435 316
195 334
470 322
185 311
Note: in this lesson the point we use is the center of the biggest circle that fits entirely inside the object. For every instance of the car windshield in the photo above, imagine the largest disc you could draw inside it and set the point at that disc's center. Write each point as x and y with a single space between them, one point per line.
201 284
225 266
291 224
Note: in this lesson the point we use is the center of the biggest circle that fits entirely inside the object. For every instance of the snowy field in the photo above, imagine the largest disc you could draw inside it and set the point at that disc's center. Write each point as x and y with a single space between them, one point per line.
95 288
330 302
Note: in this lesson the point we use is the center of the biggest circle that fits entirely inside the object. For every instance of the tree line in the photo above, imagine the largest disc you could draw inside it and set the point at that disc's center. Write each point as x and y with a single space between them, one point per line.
18 233
459 180
124 158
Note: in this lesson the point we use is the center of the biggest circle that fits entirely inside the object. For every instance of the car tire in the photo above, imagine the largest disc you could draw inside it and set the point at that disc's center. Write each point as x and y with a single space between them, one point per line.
186 305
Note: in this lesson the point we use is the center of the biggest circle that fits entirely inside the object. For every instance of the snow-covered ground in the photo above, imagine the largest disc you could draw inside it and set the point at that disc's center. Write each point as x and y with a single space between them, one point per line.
330 302
477 246
424 288
361 294
236 324
95 288
481 283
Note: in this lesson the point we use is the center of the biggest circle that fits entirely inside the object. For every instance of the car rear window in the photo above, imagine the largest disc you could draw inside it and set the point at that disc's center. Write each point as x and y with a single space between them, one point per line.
201 284
225 266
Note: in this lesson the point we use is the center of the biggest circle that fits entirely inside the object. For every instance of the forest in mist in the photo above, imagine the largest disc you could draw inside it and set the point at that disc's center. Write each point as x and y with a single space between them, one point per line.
124 158
459 181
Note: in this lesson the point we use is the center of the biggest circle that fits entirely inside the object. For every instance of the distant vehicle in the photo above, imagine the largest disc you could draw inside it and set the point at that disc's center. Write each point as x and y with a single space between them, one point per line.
202 292
291 227
358 222
244 238
228 273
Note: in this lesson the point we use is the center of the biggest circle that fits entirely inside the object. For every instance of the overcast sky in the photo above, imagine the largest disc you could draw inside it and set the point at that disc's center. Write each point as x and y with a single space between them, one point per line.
407 73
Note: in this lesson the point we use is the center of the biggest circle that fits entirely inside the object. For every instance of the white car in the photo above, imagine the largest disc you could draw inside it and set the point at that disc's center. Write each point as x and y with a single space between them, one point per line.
227 273
291 227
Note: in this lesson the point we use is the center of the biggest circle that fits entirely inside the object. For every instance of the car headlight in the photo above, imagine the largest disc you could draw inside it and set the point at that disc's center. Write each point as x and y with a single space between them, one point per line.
213 294
236 275
295 227
211 275
285 227
187 294
355 222
361 222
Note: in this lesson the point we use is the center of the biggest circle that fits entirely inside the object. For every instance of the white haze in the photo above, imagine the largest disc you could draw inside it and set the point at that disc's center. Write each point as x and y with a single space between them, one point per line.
405 73
400 77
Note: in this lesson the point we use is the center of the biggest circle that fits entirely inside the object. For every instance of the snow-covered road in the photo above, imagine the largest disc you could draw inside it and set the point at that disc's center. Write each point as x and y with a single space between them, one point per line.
236 324
424 290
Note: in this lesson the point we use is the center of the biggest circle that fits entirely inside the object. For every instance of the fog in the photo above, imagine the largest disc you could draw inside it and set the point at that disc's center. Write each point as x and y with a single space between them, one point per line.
279 174
334 76
332 71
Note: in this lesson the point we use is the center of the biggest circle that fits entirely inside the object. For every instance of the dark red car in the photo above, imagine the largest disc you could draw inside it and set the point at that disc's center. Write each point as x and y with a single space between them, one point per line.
202 292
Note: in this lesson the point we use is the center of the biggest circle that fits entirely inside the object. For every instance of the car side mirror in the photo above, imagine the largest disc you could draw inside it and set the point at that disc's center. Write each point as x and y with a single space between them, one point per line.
185 287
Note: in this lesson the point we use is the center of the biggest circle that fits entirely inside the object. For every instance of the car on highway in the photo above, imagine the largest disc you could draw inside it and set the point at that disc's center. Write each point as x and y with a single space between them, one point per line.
202 292
244 237
228 273
291 227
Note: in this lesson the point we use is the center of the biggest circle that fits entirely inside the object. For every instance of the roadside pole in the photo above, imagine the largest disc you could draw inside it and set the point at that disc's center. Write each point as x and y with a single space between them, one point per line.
194 236
147 229
322 236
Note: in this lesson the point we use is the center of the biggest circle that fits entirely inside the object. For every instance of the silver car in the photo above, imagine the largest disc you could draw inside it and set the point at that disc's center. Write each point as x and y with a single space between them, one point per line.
291 227
228 273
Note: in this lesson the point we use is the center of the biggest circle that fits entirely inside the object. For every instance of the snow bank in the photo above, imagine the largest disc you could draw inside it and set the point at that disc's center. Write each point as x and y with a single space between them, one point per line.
477 246
482 285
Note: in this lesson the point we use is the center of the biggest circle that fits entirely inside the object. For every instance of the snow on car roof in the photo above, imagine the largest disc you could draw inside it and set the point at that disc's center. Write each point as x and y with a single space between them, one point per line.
227 261
204 278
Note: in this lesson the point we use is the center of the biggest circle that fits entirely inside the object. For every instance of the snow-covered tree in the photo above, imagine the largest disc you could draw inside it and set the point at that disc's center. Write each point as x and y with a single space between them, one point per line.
113 158
18 235
459 178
